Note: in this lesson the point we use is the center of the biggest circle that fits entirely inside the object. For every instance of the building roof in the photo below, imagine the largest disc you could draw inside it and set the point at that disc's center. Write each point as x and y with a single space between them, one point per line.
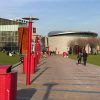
72 33
4 21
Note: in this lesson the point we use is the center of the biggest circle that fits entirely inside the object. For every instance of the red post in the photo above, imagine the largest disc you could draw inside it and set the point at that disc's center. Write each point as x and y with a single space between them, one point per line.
36 58
39 51
29 53
29 49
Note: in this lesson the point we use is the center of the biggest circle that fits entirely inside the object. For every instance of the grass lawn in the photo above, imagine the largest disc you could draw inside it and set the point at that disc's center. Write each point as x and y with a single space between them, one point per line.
92 59
5 59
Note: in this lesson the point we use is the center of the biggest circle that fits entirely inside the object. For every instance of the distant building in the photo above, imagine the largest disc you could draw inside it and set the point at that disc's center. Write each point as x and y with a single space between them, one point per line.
58 40
44 43
9 33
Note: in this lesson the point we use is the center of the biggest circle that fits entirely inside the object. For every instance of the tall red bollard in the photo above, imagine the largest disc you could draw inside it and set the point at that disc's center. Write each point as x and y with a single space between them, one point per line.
29 49
36 53
24 64
32 65
37 50
36 59
29 53
32 69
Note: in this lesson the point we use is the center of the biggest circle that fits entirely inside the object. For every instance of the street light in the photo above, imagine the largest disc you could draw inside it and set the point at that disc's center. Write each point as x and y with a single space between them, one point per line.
30 19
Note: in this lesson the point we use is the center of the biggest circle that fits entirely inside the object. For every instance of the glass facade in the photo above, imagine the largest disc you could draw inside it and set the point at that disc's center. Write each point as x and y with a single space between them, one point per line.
9 34
8 40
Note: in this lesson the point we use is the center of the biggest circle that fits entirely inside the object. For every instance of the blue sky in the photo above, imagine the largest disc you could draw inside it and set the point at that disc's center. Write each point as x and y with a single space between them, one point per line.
63 15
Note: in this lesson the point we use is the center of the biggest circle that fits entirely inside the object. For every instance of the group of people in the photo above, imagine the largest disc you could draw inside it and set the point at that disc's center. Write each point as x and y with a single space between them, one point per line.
82 56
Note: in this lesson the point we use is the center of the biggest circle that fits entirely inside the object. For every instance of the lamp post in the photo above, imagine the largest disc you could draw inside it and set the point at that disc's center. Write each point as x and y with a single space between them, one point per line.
30 19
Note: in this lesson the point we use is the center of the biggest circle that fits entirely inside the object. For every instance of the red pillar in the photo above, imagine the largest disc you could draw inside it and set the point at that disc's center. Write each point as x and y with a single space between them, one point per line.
39 51
29 54
29 48
36 56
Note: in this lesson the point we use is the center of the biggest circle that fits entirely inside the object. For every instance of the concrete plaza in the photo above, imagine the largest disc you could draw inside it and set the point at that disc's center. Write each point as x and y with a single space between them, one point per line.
59 78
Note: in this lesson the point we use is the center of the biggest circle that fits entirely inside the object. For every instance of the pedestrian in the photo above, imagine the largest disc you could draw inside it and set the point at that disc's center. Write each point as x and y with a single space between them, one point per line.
79 57
85 55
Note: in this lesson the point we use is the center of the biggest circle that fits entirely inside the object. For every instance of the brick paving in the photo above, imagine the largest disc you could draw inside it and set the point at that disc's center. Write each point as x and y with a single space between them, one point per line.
59 78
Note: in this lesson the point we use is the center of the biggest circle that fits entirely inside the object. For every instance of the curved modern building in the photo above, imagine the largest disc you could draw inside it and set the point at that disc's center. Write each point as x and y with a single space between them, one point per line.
58 40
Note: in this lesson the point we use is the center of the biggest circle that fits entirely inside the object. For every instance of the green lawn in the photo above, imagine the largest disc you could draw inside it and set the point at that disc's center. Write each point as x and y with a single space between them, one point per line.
5 59
92 59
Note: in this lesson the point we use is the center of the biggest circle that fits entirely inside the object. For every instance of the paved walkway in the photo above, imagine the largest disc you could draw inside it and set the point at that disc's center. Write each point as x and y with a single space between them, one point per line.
59 78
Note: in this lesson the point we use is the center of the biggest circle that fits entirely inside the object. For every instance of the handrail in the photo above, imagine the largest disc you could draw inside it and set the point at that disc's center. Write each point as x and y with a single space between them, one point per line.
15 65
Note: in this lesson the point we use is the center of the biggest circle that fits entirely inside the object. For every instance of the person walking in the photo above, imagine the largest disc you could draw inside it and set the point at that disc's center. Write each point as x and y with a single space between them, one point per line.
85 55
79 57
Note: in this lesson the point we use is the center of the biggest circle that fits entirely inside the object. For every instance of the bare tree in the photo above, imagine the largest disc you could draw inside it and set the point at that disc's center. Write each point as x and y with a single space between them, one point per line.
71 45
82 42
98 41
98 45
93 42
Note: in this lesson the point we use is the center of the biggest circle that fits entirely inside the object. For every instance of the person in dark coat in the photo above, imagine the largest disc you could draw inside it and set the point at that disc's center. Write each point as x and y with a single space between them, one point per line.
79 57
85 55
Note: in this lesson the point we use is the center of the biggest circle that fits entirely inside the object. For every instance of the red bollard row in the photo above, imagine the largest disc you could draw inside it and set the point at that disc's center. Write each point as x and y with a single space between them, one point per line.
35 58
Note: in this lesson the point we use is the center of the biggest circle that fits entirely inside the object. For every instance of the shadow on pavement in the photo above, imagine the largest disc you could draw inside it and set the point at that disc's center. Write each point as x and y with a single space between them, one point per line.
36 70
41 64
43 59
49 87
38 67
40 73
25 94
